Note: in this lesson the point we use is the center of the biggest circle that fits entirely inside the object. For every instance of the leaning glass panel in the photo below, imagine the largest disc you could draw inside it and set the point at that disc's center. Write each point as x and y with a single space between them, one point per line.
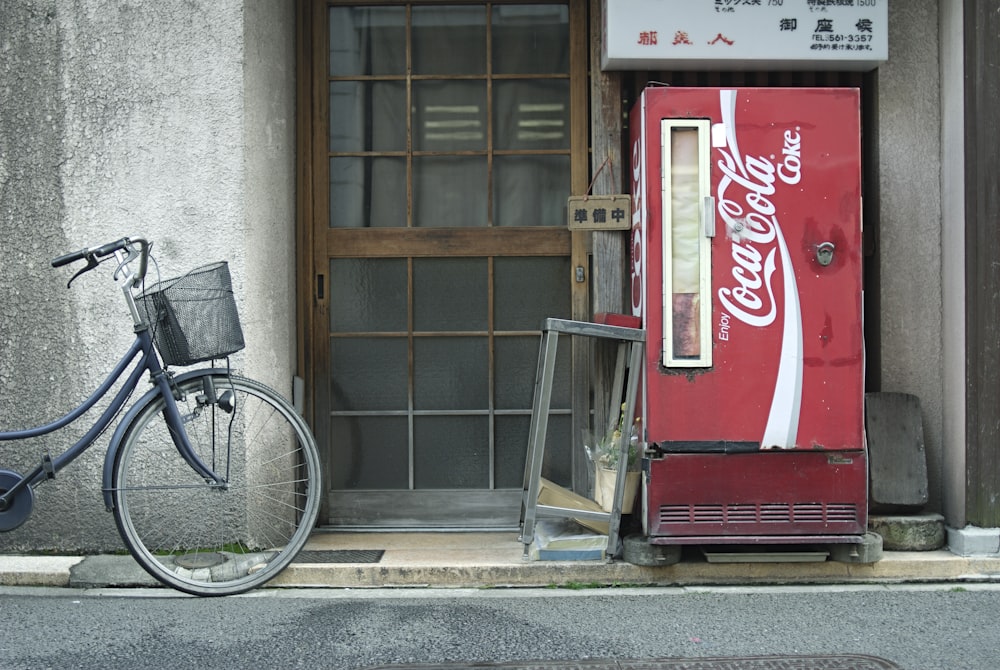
516 363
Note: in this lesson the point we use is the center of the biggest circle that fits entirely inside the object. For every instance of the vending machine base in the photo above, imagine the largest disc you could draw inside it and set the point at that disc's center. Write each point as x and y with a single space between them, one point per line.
761 497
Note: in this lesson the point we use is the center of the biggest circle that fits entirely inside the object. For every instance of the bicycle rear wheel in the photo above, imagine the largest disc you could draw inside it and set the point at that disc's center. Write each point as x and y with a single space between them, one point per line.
201 537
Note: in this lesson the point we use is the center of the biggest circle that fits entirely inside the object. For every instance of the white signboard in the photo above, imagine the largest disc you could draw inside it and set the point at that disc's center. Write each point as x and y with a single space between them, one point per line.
745 34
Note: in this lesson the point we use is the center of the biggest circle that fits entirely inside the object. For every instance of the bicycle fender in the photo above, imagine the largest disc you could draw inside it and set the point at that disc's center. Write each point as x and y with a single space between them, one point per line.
123 426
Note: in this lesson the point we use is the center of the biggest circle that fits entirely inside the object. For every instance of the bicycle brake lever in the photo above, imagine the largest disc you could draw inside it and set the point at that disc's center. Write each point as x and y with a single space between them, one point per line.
92 263
132 255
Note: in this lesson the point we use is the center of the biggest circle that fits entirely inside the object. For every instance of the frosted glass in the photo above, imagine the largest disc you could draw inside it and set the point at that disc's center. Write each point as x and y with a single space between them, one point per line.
368 374
451 373
370 453
529 290
451 452
450 294
512 446
367 294
516 364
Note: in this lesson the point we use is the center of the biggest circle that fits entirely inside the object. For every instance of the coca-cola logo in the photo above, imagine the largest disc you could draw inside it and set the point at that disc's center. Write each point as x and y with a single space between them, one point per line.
745 203
637 242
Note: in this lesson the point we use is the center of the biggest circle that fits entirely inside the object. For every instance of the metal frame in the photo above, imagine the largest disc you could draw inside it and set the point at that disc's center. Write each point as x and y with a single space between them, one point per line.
631 339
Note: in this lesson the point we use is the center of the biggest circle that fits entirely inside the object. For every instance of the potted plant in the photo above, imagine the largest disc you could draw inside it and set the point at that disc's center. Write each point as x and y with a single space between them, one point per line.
605 450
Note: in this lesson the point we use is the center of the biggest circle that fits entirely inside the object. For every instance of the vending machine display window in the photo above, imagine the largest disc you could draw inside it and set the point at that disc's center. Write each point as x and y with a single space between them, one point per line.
688 214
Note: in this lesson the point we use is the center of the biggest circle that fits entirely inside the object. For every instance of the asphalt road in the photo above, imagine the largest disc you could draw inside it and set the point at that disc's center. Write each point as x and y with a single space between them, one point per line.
925 627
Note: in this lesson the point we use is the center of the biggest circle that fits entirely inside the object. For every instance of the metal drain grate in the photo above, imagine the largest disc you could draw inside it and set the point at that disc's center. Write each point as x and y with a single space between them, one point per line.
845 662
339 556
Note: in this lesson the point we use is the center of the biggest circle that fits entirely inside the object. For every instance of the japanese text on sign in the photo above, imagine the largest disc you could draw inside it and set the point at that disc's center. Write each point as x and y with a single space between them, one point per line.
745 34
599 212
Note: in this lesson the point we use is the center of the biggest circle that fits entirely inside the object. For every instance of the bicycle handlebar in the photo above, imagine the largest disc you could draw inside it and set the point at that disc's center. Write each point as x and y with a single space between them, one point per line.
97 255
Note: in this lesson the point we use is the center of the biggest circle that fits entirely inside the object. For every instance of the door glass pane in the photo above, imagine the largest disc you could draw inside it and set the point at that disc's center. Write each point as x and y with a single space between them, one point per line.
516 363
368 374
530 39
512 445
450 294
449 115
371 453
531 114
451 373
367 192
530 190
529 290
371 116
449 191
367 41
449 40
367 294
452 452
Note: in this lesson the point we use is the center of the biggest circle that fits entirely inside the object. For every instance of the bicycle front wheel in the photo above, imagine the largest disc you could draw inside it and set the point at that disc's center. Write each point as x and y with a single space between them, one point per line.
203 537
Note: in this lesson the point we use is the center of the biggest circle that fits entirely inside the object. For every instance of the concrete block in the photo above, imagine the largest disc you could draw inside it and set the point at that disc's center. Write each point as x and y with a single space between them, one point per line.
919 532
973 541
897 462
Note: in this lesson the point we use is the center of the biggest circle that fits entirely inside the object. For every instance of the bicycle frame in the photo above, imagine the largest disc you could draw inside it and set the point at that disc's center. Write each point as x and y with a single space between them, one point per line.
148 362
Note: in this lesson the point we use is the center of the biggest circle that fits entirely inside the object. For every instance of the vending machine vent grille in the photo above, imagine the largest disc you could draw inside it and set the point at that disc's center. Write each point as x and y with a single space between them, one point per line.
746 513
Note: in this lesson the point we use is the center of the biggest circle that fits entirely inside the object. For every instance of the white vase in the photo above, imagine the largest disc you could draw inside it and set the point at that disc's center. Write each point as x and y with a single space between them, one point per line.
604 488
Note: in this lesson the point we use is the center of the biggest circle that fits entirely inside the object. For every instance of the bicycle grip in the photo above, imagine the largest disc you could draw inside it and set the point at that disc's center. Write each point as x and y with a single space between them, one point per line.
98 252
66 259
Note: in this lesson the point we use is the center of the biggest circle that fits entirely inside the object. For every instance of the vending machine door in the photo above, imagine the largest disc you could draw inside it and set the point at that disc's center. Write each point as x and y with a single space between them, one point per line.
746 270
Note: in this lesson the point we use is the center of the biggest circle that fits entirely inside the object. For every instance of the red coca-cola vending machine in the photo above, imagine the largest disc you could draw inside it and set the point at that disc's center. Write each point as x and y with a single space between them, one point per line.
746 273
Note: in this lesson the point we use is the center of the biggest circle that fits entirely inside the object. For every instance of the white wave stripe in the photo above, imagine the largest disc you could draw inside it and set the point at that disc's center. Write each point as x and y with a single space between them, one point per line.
786 403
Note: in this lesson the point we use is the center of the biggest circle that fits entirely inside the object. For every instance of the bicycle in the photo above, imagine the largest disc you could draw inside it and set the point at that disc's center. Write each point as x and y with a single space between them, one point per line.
213 478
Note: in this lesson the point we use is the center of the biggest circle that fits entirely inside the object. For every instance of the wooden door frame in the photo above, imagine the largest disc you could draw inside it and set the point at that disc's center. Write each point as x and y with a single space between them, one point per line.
312 316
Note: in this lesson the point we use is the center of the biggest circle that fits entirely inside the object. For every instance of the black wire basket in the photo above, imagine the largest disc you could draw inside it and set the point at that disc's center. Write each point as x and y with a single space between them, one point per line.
194 316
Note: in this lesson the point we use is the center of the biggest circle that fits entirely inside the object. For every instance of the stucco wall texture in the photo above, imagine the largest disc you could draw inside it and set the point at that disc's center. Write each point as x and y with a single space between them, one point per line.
133 118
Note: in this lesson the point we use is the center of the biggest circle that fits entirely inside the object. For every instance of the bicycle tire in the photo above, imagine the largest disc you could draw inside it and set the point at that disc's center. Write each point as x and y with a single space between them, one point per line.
195 535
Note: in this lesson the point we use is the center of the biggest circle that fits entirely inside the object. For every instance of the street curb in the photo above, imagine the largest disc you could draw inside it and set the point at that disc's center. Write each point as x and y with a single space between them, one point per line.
895 568
37 570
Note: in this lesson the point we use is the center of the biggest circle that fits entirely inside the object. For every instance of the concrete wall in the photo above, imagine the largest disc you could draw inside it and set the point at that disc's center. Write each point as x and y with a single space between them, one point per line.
953 261
909 154
172 121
